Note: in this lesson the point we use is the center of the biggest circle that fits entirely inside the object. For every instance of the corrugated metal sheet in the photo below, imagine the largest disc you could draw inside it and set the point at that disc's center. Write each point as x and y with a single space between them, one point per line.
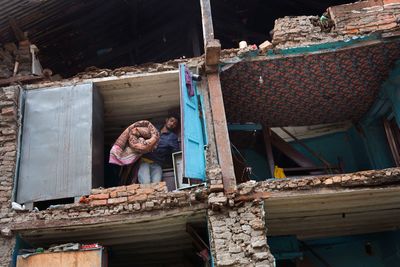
57 140
29 14
74 34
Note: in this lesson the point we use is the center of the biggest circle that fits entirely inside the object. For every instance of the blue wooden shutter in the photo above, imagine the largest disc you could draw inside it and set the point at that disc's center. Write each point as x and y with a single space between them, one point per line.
194 163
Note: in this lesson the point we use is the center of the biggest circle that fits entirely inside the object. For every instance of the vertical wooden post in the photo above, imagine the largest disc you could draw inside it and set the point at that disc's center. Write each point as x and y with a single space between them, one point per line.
206 20
221 132
212 49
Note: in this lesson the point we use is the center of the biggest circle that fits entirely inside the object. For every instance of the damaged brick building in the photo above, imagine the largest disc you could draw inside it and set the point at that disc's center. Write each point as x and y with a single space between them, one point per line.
290 147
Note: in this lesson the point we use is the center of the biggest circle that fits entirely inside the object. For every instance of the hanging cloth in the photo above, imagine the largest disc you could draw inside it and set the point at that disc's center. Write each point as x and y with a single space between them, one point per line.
189 82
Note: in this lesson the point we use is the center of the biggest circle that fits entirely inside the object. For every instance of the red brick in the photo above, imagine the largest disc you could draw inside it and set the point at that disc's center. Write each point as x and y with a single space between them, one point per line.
132 187
385 2
146 190
117 200
116 189
100 202
118 193
99 196
216 187
137 198
10 111
122 194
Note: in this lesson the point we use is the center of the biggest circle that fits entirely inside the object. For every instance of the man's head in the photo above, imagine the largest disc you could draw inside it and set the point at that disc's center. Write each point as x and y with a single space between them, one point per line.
171 122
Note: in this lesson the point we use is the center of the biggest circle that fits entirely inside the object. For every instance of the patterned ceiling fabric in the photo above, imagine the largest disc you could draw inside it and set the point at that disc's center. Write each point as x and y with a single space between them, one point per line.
308 89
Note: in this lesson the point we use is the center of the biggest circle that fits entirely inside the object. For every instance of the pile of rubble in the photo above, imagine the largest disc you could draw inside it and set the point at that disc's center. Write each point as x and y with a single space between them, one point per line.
372 178
366 16
293 31
344 21
94 72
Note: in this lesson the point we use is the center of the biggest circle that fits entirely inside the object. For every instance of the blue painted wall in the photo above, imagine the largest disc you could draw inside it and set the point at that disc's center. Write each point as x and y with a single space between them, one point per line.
362 149
343 145
387 103
258 164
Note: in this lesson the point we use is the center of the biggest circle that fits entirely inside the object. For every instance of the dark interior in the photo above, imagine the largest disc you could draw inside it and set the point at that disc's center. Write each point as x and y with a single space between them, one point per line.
74 35
162 242
252 20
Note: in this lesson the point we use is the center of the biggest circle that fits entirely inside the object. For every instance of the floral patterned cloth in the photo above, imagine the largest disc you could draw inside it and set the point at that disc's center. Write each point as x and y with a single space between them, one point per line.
306 89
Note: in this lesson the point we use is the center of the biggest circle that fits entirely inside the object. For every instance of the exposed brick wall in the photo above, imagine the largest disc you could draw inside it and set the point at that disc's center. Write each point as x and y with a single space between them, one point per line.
366 16
237 221
238 236
8 145
348 20
122 200
299 31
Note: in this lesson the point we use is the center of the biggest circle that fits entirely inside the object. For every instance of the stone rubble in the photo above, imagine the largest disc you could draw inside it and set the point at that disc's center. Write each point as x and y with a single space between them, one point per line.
8 147
358 18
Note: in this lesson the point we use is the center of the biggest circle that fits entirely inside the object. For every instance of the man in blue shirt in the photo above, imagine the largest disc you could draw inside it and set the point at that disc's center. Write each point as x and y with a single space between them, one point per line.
150 170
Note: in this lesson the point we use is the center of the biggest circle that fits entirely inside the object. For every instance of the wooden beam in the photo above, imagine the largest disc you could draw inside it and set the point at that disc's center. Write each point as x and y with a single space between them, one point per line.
206 19
289 151
213 52
20 79
221 132
212 47
109 220
312 152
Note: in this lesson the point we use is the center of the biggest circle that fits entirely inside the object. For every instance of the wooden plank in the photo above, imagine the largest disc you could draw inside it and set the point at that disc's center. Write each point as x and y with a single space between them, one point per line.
337 213
110 220
175 224
318 231
20 79
326 201
213 52
221 132
333 211
324 222
120 239
63 259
